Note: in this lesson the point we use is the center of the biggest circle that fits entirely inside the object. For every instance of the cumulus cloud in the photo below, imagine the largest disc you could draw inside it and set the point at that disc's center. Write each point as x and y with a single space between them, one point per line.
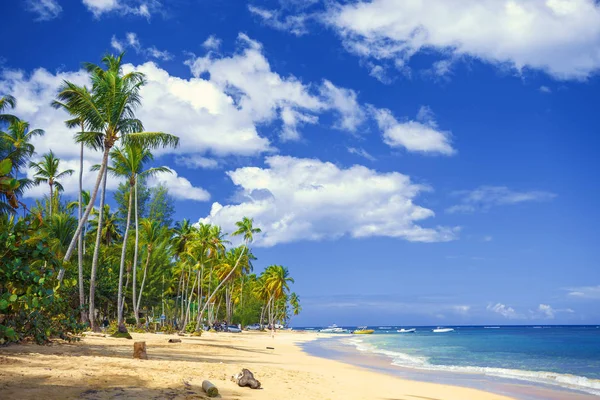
420 135
505 311
132 41
294 199
264 95
546 311
560 37
45 10
294 24
212 43
584 292
486 197
195 162
142 8
545 89
179 187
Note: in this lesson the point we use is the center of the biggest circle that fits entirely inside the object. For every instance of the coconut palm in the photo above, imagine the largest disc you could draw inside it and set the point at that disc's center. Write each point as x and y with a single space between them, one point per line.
245 229
109 234
295 303
128 162
48 171
108 112
6 102
17 143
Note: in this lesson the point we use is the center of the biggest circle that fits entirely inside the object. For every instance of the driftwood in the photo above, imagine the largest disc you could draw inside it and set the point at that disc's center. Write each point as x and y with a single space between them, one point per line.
210 389
139 350
174 340
270 348
246 378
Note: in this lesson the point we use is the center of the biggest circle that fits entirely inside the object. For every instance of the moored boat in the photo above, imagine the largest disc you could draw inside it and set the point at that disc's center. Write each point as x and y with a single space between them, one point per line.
411 330
442 330
362 330
334 329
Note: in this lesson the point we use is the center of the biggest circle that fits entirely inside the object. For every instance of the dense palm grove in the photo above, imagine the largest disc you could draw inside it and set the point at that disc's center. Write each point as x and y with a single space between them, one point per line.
72 265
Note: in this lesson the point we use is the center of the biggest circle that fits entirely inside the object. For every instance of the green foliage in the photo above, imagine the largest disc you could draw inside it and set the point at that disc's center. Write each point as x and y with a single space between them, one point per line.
30 305
122 200
161 207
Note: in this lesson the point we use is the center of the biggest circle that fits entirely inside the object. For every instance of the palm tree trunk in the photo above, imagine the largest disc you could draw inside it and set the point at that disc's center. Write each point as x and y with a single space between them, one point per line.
135 255
80 239
189 304
51 199
226 278
139 301
92 310
122 266
200 296
88 210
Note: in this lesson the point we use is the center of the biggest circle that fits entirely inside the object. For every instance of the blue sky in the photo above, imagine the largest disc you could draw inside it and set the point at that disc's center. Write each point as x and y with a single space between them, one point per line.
410 164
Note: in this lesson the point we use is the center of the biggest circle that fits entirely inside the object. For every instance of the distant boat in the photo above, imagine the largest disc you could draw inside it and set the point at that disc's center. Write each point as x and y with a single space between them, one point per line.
385 327
334 329
407 330
442 330
362 330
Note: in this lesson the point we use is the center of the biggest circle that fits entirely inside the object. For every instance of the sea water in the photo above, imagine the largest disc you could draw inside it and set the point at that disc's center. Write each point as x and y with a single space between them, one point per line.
561 356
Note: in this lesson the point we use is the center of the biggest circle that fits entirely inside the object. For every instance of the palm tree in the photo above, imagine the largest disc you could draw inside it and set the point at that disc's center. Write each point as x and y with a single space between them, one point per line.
109 233
152 234
246 229
5 102
108 112
47 171
295 303
16 143
276 278
128 162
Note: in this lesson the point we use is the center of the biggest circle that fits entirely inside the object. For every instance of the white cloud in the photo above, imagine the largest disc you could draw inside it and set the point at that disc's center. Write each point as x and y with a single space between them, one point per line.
361 152
421 135
296 199
486 197
196 162
212 43
132 41
461 309
295 24
584 292
142 8
545 89
179 187
505 311
264 95
46 10
561 37
548 312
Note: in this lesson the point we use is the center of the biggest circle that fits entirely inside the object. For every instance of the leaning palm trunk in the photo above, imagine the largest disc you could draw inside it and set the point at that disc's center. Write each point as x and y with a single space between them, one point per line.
92 310
199 321
88 210
80 239
189 305
135 256
226 278
139 301
122 266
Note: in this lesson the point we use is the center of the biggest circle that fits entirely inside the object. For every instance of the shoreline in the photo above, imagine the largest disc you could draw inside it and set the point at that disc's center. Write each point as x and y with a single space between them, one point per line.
102 368
341 348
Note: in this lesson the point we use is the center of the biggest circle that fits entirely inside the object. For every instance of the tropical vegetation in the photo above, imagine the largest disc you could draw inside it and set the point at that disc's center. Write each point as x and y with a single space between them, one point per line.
136 266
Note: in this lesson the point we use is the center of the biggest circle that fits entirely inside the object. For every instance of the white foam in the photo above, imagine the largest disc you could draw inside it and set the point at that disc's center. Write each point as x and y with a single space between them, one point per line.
568 381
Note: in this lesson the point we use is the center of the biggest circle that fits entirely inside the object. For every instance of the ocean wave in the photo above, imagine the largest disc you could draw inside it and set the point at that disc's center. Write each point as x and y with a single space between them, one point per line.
581 383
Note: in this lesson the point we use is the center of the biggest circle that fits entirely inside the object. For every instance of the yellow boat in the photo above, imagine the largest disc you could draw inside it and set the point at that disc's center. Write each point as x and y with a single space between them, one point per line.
362 330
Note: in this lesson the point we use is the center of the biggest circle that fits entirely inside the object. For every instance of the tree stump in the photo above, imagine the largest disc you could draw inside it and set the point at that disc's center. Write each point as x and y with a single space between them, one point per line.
139 350
174 340
210 389
246 378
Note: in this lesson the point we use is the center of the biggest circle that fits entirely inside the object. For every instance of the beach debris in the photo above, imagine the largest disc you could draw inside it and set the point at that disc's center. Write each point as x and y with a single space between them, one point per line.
246 378
174 340
270 348
210 389
139 350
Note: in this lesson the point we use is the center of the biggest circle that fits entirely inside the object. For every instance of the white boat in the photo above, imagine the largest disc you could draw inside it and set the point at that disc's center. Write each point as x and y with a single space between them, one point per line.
406 330
334 329
442 330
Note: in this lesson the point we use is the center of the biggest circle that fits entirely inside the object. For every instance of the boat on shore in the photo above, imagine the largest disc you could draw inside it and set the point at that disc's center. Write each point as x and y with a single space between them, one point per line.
334 329
410 330
362 330
442 330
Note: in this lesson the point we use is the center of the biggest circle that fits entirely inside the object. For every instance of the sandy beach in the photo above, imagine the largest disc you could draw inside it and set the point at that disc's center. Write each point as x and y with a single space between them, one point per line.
103 368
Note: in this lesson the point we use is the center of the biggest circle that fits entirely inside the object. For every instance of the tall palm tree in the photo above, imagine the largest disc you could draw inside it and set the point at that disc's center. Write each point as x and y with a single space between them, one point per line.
245 229
108 112
48 171
109 234
128 162
295 303
276 278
